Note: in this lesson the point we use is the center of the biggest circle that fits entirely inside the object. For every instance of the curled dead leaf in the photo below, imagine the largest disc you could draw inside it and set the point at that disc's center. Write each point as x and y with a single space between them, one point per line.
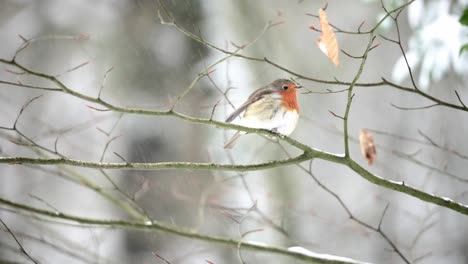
366 141
327 41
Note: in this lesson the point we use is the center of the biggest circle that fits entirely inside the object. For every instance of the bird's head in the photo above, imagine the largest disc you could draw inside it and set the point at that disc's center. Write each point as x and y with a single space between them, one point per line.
285 86
287 89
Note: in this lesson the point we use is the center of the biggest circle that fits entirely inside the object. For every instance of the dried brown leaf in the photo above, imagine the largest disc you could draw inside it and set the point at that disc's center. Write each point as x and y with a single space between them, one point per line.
327 41
366 141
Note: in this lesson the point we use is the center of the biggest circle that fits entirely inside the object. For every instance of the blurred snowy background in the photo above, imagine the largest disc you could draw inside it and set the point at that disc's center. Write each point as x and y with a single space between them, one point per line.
153 63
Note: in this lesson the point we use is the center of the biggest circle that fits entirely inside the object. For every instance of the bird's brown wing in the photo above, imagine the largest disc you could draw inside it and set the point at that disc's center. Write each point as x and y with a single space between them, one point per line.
254 97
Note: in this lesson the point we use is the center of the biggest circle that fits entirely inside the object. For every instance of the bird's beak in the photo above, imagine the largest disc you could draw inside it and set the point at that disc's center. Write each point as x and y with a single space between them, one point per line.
299 86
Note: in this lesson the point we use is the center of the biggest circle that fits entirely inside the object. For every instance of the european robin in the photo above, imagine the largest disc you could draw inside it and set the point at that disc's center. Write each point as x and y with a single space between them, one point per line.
273 107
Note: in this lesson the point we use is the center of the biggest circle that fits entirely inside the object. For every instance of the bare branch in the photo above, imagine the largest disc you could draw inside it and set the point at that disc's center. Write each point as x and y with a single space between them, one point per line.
328 91
379 227
351 94
161 258
414 108
335 115
384 235
348 211
214 108
27 42
154 166
107 146
31 86
73 68
23 108
104 80
349 55
434 144
388 39
459 99
17 242
428 141
158 226
44 202
427 166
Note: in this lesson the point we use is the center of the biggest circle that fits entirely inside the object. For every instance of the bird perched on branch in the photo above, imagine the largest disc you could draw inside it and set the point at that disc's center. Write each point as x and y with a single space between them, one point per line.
273 107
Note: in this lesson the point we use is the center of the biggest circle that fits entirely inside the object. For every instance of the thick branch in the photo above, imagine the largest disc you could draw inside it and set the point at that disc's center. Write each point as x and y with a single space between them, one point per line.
158 226
351 95
310 154
154 166
402 187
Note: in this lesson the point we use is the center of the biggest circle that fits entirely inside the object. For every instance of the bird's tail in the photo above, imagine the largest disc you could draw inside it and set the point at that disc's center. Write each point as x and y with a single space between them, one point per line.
231 142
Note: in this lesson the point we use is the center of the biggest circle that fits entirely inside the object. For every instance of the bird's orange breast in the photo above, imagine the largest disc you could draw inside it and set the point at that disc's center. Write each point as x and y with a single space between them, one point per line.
289 100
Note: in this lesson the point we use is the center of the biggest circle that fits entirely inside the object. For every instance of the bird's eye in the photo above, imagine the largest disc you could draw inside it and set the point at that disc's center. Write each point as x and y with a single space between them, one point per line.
285 87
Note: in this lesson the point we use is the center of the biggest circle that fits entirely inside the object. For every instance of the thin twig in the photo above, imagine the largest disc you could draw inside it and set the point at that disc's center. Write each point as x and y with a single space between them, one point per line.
73 68
24 108
384 235
414 108
428 166
351 56
161 258
459 99
104 80
335 115
17 242
44 202
50 89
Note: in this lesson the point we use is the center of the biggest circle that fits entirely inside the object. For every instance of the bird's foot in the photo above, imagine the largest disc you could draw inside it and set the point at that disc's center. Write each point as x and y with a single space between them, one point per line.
278 134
